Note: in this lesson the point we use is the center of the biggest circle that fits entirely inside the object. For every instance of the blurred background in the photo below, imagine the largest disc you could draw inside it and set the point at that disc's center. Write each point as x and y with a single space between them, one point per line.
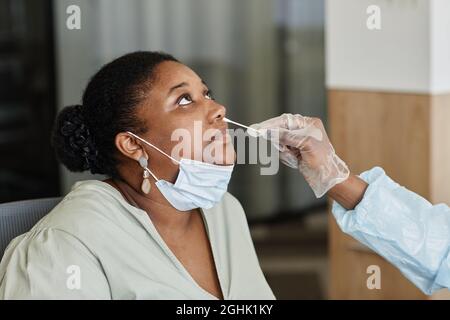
262 58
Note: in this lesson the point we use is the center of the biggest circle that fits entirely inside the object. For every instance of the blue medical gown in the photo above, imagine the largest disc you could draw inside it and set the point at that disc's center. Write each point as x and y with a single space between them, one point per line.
404 228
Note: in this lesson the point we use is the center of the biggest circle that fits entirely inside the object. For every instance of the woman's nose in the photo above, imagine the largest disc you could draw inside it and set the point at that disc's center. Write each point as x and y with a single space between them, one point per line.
217 113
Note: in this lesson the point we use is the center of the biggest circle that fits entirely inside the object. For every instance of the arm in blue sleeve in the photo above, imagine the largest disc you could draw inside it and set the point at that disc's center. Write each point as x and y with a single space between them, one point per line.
404 228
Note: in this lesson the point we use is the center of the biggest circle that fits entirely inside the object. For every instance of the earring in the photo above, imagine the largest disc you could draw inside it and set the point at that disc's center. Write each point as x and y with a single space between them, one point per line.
146 185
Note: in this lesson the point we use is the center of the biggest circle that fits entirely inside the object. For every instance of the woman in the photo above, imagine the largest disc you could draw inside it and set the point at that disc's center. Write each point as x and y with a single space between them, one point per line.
398 224
161 226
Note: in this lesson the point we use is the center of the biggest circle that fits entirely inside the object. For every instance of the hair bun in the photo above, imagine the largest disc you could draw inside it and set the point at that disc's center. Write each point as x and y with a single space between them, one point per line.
76 130
72 140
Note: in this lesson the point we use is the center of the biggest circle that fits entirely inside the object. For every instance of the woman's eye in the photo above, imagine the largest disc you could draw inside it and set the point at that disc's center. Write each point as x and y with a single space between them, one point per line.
208 95
184 101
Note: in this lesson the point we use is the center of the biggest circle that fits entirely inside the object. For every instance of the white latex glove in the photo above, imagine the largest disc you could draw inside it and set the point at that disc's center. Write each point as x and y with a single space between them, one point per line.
304 144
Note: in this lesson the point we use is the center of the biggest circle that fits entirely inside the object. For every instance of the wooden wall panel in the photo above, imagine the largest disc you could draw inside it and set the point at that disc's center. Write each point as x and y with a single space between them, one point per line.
440 149
384 129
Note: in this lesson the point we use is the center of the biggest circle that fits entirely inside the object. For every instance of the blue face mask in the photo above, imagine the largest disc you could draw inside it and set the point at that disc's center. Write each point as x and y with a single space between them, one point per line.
198 185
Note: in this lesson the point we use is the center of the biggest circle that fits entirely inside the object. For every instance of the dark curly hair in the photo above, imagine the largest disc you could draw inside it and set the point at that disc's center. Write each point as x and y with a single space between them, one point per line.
83 135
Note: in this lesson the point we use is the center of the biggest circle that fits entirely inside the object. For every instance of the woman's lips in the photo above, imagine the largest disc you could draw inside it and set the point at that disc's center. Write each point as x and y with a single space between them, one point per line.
220 134
220 148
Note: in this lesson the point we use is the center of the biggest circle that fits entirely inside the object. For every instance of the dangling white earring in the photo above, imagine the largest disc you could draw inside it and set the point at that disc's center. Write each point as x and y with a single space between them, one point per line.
146 185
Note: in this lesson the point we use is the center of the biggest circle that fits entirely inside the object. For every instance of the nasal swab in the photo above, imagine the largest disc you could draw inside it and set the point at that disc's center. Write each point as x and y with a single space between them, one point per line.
241 125
306 132
237 123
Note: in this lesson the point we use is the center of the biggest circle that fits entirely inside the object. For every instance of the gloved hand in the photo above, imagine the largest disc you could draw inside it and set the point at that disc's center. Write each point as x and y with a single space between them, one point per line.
304 144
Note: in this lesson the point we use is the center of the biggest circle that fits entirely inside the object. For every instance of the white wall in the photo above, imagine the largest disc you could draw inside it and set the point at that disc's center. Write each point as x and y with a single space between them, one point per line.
440 46
409 54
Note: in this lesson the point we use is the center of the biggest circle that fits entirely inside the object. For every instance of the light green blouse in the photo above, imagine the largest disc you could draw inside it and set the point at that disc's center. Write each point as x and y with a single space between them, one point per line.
95 245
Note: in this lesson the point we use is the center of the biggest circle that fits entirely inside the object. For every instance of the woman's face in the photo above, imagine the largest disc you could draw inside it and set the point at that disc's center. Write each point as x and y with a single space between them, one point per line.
183 119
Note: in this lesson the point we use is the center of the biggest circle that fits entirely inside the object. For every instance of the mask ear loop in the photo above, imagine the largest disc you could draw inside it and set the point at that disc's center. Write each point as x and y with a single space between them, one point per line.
151 173
155 147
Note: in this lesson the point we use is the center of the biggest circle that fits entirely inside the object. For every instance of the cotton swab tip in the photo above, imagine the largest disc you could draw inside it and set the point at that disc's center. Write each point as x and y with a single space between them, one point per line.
251 131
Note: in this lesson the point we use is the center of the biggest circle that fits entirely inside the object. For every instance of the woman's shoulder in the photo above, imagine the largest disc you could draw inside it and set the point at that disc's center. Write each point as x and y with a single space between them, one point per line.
230 209
88 204
230 202
230 199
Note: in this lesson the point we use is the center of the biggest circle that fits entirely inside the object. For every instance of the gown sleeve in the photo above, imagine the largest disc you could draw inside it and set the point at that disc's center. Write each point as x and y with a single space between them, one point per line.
404 228
51 264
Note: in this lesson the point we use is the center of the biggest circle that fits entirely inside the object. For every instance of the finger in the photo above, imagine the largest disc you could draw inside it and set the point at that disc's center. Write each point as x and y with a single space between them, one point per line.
290 159
295 138
255 131
310 131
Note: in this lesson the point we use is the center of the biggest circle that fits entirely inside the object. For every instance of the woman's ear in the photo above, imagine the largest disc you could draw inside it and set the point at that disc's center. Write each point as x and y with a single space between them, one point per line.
129 146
